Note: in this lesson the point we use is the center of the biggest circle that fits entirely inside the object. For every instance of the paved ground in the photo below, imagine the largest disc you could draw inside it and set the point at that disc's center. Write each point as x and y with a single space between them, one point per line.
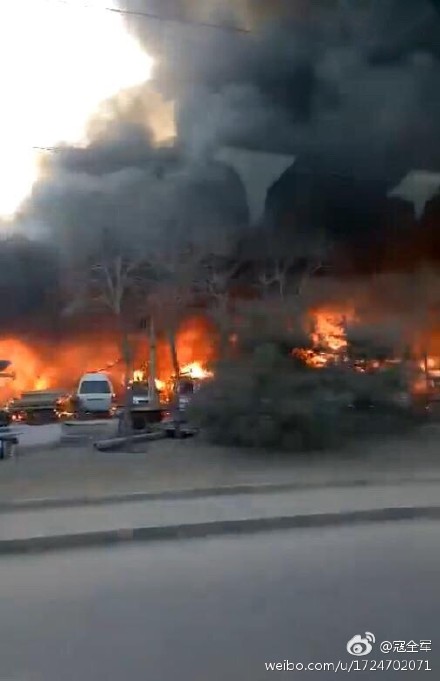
221 608
43 522
37 436
77 472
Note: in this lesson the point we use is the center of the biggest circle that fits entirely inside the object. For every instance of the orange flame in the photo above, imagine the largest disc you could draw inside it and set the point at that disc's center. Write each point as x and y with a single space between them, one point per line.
196 370
38 366
27 367
329 329
328 336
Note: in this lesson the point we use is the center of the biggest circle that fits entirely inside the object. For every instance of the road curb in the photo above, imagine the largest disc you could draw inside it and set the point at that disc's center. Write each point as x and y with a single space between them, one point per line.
42 544
202 492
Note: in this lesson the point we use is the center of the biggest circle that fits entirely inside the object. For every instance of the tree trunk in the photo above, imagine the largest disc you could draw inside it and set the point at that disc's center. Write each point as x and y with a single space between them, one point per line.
173 350
426 369
175 405
282 286
126 424
153 396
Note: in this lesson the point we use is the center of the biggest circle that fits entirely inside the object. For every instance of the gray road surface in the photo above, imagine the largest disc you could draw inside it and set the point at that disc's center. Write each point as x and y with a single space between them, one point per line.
219 609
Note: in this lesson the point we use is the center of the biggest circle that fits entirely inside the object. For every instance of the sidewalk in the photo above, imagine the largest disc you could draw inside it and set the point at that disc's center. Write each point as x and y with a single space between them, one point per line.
169 465
159 518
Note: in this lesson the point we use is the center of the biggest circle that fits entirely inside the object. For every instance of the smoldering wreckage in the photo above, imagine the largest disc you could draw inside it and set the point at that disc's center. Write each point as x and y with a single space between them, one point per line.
283 157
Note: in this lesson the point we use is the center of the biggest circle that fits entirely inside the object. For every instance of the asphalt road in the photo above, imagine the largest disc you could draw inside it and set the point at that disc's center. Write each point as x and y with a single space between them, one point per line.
220 609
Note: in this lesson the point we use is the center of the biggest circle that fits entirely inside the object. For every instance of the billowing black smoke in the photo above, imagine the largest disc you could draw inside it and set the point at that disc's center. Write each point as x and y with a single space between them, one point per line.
354 90
29 282
349 88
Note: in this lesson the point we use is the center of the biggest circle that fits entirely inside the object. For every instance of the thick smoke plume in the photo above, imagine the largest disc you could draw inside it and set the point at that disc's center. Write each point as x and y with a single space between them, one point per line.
348 88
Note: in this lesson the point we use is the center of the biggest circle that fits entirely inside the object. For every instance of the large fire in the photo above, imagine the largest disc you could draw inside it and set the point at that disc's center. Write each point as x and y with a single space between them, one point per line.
328 335
42 366
39 366
330 344
329 329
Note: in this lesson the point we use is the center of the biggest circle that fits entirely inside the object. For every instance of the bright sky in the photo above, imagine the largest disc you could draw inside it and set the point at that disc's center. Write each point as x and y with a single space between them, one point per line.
59 59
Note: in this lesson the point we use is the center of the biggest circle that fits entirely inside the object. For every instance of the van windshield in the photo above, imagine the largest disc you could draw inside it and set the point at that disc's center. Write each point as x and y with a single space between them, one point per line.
94 388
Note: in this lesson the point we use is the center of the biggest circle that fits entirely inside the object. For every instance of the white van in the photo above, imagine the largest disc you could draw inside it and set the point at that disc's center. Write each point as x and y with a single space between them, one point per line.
95 394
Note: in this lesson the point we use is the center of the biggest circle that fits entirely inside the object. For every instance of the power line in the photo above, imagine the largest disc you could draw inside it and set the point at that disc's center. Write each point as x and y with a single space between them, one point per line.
156 17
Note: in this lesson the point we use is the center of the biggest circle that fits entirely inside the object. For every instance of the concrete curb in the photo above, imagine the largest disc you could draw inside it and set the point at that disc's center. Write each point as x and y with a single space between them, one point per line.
41 544
202 492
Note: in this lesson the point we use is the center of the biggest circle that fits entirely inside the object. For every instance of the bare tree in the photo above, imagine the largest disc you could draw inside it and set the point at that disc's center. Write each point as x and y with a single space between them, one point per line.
173 265
111 280
274 271
173 262
114 283
191 262
214 281
288 259
219 262
307 273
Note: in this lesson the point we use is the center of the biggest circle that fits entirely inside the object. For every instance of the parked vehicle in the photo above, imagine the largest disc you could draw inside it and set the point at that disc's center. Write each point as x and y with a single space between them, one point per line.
35 407
185 388
140 394
94 395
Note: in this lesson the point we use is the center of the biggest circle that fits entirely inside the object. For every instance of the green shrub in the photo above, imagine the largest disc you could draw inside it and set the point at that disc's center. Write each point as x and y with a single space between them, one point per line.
268 399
